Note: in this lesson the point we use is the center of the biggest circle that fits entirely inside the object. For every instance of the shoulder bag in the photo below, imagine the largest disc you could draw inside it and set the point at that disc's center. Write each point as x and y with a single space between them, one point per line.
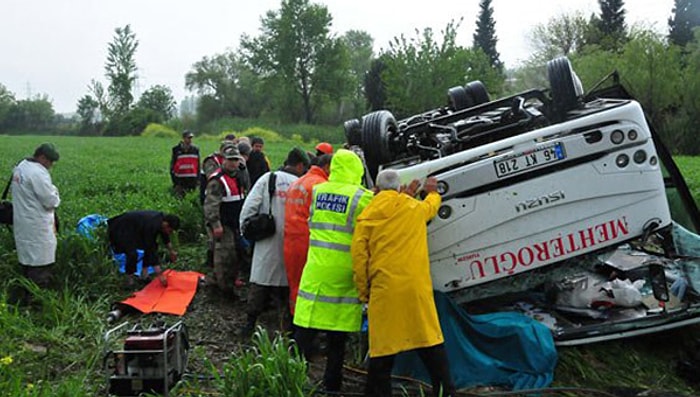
261 226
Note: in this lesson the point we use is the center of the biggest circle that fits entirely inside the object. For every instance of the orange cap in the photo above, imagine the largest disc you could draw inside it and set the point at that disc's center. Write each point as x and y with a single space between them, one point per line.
325 148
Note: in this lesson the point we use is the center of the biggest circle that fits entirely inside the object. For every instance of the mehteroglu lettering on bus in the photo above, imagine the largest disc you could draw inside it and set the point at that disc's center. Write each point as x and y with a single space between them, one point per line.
537 254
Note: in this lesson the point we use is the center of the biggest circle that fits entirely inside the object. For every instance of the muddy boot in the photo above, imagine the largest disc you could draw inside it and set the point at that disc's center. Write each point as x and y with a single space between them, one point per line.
247 330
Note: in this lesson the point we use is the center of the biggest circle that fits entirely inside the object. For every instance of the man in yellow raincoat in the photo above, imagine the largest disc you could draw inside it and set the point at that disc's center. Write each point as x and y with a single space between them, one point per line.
391 270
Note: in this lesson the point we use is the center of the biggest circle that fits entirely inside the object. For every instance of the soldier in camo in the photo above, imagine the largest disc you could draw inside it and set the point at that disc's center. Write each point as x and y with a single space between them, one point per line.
222 206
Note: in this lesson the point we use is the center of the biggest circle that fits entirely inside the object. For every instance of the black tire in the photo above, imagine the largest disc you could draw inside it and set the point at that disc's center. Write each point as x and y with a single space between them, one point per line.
353 132
477 92
377 128
458 98
563 85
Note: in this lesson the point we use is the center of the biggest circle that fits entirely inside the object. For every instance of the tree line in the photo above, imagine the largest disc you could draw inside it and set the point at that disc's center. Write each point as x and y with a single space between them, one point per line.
295 70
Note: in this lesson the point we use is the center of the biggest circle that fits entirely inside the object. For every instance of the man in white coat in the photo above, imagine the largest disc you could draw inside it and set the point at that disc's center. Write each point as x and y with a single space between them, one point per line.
34 200
268 277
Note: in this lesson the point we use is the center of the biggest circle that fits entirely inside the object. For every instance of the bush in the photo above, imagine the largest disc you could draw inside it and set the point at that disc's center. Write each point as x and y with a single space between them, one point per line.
155 130
267 135
223 134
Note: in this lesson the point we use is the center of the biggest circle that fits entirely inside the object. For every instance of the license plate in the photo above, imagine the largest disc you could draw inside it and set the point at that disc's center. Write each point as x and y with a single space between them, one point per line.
525 161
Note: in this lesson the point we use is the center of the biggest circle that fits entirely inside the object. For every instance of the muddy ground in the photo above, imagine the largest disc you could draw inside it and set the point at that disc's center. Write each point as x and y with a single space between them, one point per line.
213 322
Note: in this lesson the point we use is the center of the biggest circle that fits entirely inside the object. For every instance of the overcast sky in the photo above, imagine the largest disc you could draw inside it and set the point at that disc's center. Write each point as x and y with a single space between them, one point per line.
56 47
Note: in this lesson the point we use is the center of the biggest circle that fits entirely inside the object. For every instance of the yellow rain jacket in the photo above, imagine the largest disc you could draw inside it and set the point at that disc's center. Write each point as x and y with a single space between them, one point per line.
327 298
391 270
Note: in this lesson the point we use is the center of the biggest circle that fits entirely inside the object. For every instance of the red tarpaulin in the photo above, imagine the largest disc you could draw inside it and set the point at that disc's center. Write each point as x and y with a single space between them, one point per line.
171 299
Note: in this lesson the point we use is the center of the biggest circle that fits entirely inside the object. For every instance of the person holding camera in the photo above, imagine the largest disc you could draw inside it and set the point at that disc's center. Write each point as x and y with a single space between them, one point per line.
268 277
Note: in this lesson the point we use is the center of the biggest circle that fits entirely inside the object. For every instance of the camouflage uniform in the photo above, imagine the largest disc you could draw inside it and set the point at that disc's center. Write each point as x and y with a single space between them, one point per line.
218 212
211 164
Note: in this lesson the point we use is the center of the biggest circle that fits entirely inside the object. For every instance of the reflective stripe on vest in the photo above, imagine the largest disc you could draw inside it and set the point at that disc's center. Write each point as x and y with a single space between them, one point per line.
186 166
347 228
218 159
297 196
230 184
330 246
328 299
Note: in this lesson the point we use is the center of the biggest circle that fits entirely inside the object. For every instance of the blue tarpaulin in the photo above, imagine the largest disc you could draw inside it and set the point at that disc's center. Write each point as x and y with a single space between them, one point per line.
506 348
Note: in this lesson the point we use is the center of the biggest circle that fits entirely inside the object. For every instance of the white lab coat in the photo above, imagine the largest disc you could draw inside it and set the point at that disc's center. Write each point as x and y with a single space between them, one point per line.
267 267
34 199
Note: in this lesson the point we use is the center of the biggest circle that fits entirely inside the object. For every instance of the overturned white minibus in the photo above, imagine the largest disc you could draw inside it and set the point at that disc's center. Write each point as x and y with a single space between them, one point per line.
562 205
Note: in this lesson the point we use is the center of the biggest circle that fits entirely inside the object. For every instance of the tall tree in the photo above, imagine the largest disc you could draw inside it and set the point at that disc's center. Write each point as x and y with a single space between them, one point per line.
611 30
686 16
226 86
120 70
360 49
88 115
561 35
419 71
612 17
485 34
375 93
100 96
32 115
7 101
688 117
159 100
296 54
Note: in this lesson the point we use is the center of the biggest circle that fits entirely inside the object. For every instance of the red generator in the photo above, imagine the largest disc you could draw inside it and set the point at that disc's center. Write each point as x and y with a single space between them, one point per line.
152 360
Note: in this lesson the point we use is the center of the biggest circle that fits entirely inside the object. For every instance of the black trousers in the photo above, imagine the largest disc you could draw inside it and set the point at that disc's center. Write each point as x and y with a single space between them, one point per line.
333 374
435 360
42 276
258 298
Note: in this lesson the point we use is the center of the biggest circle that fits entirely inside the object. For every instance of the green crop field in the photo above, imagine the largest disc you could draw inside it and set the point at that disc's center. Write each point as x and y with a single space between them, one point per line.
57 350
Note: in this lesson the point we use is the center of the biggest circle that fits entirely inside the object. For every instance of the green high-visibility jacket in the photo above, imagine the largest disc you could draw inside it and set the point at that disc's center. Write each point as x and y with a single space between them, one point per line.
327 298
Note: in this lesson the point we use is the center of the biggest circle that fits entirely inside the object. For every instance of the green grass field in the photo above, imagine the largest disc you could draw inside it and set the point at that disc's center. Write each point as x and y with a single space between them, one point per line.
56 351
